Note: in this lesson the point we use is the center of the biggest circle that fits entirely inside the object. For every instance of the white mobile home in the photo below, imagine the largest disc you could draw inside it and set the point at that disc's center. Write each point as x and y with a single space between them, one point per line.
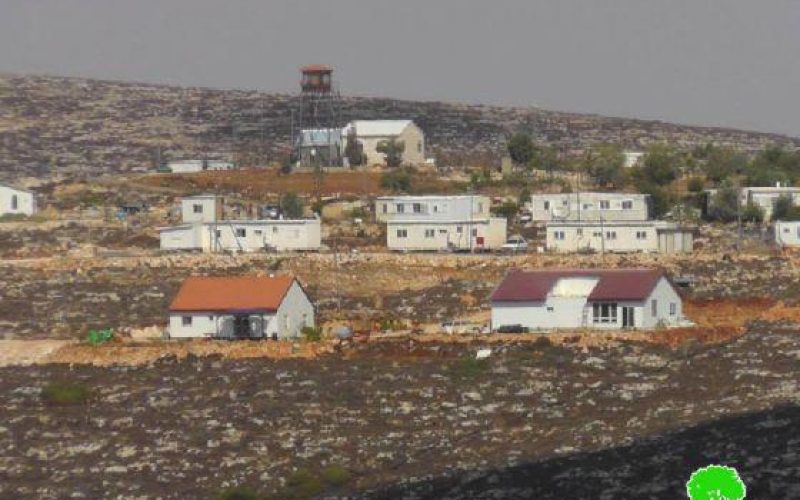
244 235
589 207
244 307
16 201
787 233
205 228
762 197
192 166
618 236
478 234
432 207
586 298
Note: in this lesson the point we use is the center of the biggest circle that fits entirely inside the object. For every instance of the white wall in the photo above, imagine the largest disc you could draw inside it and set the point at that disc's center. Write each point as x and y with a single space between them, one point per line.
600 238
185 166
787 233
586 206
25 201
443 208
445 235
295 312
185 237
210 206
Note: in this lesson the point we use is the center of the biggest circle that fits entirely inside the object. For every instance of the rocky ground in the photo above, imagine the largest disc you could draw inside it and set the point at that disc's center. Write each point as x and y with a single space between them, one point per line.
425 420
78 127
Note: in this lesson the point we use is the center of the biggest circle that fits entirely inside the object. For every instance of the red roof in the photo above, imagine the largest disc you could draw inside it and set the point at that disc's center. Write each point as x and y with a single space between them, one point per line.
613 284
237 293
316 68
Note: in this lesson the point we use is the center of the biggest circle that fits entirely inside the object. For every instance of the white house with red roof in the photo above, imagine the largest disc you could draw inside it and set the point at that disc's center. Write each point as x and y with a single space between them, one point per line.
240 307
586 298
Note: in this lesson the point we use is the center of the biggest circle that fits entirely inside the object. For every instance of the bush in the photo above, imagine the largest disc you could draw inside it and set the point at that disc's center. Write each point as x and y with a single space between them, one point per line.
398 181
695 185
238 493
752 213
469 367
311 334
336 475
66 393
302 484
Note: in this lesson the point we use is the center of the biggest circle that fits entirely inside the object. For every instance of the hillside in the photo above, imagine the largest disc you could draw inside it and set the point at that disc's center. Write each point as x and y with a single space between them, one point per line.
81 127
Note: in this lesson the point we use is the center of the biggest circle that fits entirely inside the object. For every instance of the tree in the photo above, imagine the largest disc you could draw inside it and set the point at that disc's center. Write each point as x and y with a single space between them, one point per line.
695 185
521 148
524 196
292 206
723 163
393 151
716 482
724 205
606 166
661 164
785 209
354 150
508 210
752 213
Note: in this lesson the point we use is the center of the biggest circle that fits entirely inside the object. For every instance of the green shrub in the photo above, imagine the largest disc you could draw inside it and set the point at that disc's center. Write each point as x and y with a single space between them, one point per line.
301 485
311 334
469 367
336 475
66 393
238 493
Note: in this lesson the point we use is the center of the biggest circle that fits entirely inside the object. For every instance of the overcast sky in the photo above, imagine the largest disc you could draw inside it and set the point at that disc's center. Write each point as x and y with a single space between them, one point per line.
724 62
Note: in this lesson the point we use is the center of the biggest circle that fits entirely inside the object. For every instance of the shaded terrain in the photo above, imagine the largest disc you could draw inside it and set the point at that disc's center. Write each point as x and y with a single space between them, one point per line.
394 413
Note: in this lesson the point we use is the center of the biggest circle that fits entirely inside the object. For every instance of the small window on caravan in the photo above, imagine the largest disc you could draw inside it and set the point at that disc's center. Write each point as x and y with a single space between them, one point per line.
547 205
14 202
186 321
241 232
197 208
430 233
653 307
673 308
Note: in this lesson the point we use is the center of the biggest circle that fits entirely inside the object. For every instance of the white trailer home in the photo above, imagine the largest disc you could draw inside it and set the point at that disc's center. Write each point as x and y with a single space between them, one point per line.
433 235
192 166
436 222
787 233
15 201
762 197
588 206
586 298
243 307
618 236
244 235
205 228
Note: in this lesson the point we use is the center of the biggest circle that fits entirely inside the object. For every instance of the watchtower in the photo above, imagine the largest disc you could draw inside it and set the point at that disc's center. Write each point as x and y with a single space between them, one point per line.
318 141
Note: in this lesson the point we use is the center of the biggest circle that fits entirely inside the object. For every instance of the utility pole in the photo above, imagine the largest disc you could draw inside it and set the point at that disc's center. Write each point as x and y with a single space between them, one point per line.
738 220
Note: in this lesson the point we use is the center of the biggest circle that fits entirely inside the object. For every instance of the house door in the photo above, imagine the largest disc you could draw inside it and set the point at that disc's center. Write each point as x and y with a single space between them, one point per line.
627 317
241 327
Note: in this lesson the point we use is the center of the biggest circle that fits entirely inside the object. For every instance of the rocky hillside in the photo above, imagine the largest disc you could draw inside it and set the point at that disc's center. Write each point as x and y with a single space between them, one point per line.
78 127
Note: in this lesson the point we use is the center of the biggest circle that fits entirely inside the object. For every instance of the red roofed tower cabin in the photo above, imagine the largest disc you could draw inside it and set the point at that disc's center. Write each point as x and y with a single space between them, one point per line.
586 298
240 307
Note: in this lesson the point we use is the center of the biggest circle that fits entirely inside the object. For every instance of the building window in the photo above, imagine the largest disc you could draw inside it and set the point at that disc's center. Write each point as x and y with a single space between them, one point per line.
186 321
274 229
653 307
401 208
673 308
565 202
480 208
417 207
475 232
430 233
597 234
241 232
604 312
402 233
459 229
627 204
641 235
605 204
419 146
385 207
218 233
586 206
258 232
558 235
611 235
14 202
547 205
443 231
197 208
436 209
579 231
550 309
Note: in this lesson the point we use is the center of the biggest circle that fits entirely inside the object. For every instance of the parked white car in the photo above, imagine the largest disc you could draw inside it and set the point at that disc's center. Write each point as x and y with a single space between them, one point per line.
515 244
